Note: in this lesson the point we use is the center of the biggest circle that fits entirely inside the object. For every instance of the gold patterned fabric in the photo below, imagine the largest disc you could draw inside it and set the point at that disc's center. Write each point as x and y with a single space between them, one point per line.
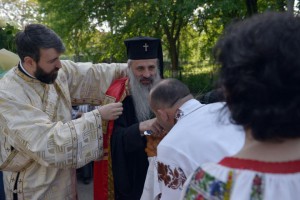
40 146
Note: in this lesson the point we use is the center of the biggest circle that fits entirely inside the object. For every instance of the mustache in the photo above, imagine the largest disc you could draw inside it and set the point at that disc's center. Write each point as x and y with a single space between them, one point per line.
146 79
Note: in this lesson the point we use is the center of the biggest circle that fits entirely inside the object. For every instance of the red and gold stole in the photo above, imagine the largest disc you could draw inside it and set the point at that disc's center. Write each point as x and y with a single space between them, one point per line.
103 178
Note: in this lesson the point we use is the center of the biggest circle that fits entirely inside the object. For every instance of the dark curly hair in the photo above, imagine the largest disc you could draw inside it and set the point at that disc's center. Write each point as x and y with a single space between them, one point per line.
260 74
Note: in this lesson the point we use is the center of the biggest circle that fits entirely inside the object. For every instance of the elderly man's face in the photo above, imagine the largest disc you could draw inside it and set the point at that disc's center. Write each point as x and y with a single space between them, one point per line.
143 75
144 70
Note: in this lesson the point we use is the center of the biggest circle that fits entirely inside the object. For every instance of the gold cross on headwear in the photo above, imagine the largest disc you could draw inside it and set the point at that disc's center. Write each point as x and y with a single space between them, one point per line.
146 46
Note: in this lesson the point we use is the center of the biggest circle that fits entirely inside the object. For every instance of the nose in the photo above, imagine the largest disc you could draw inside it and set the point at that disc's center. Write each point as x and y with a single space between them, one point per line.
58 64
147 73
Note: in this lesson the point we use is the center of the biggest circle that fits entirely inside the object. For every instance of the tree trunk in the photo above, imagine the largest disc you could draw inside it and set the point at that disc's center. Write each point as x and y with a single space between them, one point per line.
290 6
172 51
251 7
281 4
174 58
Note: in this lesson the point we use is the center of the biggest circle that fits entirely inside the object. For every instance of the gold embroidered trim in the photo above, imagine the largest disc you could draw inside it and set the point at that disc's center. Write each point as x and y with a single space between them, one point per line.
9 159
74 143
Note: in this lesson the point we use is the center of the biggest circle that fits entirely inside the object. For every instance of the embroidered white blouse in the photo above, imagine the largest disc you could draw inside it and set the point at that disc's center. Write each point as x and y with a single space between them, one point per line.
243 179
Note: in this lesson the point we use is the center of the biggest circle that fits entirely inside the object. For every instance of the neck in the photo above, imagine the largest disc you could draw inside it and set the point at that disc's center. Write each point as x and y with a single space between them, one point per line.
270 151
181 101
172 112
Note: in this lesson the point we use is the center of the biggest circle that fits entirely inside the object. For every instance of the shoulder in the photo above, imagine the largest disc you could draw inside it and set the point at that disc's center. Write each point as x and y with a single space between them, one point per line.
121 82
12 85
214 107
118 89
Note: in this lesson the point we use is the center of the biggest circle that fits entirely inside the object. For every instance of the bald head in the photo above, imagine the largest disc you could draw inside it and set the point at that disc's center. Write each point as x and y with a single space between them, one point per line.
167 93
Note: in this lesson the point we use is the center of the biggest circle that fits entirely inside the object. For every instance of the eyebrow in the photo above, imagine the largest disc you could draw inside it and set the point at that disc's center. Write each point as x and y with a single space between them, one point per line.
146 66
53 59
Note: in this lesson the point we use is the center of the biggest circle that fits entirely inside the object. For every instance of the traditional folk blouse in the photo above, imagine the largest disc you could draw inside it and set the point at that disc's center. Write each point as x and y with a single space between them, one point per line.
244 179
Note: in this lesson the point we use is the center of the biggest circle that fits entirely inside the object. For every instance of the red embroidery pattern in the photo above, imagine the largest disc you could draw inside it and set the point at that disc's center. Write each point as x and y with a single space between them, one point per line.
172 178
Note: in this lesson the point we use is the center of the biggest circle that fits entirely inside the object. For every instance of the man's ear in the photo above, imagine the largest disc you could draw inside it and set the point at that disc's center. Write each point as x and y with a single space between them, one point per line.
163 114
29 65
28 62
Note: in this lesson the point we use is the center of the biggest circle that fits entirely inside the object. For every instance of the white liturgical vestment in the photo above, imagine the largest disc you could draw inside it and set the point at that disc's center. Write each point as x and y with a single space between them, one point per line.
40 146
202 134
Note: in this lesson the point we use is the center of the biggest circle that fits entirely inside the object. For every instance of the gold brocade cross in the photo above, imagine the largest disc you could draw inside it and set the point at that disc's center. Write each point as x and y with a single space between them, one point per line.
146 46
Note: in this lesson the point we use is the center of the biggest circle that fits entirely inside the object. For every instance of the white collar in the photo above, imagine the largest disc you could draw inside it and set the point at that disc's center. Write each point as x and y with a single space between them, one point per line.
24 70
187 108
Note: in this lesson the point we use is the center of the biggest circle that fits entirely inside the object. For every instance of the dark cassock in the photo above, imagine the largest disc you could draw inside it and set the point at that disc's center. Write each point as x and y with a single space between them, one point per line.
129 159
122 172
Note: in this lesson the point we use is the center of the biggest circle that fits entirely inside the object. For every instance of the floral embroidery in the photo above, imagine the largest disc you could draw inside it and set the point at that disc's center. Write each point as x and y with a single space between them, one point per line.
228 185
173 179
257 188
204 186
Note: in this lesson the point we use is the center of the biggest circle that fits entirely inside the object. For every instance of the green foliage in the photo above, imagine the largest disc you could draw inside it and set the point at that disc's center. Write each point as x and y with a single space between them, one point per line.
126 18
188 28
199 83
7 37
222 12
271 5
199 76
174 17
70 20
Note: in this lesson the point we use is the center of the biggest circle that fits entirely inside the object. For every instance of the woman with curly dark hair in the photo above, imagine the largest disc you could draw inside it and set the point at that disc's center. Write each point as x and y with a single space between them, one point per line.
260 77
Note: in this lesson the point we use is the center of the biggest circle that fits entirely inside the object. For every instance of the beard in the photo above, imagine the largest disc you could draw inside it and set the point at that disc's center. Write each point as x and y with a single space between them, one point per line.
45 77
140 93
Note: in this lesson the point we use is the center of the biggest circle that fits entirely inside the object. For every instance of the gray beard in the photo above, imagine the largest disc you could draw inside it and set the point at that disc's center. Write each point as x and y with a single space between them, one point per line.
140 93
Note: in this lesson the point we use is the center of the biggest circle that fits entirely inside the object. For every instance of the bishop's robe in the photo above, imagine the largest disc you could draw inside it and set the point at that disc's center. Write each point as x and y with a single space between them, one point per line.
128 157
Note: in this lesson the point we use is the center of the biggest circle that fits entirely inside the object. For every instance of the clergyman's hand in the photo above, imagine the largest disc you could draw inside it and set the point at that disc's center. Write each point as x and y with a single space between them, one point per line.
111 111
151 125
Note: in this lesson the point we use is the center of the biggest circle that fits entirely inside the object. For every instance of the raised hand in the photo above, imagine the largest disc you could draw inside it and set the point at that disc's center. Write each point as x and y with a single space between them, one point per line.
111 111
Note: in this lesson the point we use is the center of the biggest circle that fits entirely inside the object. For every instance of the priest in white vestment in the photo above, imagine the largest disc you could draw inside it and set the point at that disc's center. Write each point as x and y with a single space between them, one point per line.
40 145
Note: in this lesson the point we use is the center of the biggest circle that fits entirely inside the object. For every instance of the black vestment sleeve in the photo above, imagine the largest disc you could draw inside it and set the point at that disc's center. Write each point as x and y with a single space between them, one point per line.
129 159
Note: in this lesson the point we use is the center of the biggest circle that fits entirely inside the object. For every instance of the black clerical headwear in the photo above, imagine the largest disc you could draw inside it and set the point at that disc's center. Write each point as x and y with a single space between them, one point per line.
141 48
